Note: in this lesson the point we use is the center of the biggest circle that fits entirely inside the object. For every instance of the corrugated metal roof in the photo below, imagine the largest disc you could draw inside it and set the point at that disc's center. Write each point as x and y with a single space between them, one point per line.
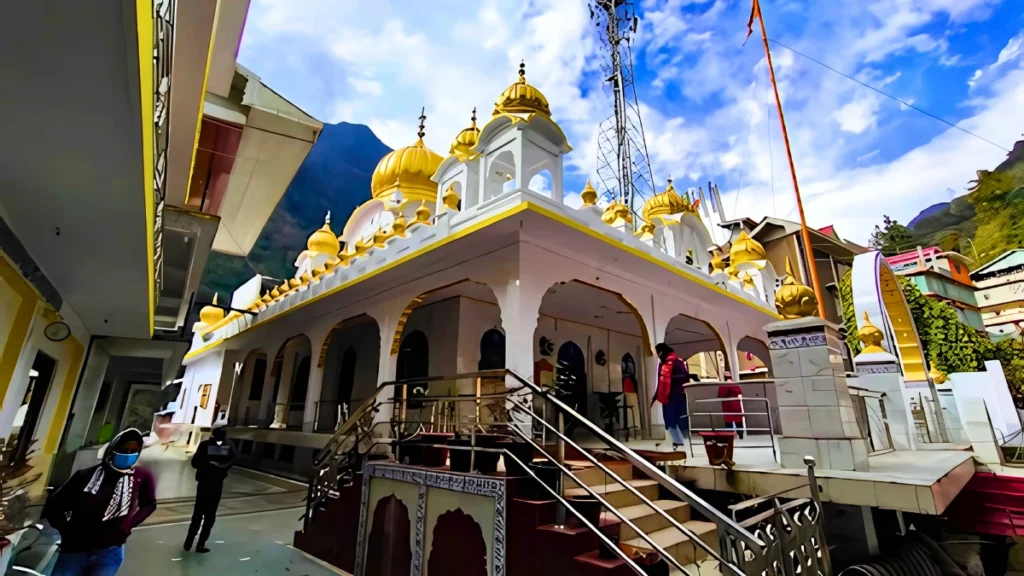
1009 259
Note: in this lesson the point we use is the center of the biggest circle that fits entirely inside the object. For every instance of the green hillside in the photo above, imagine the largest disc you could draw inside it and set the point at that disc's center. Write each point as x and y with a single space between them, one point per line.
987 221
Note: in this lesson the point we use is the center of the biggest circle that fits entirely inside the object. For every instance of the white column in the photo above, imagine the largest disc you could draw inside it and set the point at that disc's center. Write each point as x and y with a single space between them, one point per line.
316 378
85 404
880 372
387 319
285 390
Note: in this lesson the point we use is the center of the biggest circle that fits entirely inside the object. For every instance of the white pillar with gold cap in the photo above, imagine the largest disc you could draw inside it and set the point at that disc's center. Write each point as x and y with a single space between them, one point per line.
879 371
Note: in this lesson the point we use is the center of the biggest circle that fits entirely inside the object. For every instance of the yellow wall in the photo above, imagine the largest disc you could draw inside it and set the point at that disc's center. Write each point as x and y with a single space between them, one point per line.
17 304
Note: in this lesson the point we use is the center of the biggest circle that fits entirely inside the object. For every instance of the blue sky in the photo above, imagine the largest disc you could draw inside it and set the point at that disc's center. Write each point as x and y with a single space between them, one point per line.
706 100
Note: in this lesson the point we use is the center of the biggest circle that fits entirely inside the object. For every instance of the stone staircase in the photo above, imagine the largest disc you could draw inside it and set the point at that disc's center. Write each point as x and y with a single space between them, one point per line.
644 517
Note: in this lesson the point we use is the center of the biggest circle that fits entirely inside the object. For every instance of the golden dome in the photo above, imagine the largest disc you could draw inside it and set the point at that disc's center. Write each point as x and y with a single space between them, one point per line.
792 299
451 199
422 213
407 170
717 264
306 278
267 298
275 293
937 376
462 146
870 337
747 250
647 229
293 283
210 315
398 226
664 204
323 241
380 238
615 212
589 195
521 98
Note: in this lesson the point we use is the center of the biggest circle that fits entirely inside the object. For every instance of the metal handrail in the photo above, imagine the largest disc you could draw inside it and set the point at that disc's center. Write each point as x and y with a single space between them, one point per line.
723 522
630 488
767 412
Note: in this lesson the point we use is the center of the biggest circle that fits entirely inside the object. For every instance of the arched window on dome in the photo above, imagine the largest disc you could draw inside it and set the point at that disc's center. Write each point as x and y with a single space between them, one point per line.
500 176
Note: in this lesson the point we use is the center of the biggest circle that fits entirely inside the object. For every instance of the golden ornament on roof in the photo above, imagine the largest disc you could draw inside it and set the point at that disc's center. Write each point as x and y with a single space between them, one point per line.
589 195
747 250
407 170
870 337
462 146
275 293
398 225
380 238
422 213
267 298
792 299
324 241
319 271
616 212
664 204
293 283
363 245
748 282
646 230
937 376
717 263
211 314
521 98
305 278
451 199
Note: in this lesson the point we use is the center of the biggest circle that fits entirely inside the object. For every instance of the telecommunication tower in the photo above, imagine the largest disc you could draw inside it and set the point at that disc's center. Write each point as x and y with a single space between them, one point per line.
623 165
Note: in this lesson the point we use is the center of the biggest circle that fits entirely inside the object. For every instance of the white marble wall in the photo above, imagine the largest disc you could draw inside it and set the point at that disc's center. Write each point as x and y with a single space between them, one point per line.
815 407
881 373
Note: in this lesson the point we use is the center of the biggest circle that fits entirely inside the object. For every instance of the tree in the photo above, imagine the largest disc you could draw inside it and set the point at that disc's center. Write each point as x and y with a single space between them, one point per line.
891 238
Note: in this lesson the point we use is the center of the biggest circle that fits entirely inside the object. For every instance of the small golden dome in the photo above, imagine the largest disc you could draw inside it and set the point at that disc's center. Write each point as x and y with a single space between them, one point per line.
589 195
380 238
422 213
293 283
615 212
646 229
306 278
324 241
211 314
330 264
462 146
275 293
451 198
792 299
267 298
747 250
664 204
407 170
398 226
319 271
521 98
363 246
717 263
870 337
937 376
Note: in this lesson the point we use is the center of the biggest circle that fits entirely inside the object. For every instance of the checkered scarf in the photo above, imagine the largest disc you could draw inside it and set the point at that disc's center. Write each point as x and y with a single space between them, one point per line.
121 502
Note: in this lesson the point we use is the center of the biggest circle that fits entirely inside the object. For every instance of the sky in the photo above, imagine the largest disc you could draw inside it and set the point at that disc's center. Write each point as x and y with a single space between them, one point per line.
706 100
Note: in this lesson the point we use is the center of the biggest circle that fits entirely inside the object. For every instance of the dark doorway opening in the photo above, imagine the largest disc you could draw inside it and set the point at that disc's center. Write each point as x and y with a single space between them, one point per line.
39 381
414 362
492 350
571 379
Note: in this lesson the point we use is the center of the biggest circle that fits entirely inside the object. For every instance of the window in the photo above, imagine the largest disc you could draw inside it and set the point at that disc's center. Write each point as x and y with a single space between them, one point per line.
259 373
204 395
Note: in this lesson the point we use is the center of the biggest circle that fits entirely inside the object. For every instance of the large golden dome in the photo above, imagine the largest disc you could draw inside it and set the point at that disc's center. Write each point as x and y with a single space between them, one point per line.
210 315
746 249
462 146
407 170
664 204
521 98
794 300
323 241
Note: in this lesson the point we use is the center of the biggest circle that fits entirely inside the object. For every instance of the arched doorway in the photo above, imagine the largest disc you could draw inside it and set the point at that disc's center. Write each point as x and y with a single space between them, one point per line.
388 551
458 547
246 405
347 375
492 350
300 386
755 361
290 372
414 362
571 378
350 358
702 347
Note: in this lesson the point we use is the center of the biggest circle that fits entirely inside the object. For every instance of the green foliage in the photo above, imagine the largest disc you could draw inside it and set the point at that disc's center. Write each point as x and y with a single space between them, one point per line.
891 238
949 345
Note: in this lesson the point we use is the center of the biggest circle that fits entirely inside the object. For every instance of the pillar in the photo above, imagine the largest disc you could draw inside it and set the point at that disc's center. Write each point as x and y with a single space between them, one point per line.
280 406
317 363
815 407
519 300
88 393
266 412
387 321
880 372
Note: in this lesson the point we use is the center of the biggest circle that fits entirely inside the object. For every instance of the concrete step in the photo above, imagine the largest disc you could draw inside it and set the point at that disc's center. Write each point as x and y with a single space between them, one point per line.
646 519
678 545
617 495
591 475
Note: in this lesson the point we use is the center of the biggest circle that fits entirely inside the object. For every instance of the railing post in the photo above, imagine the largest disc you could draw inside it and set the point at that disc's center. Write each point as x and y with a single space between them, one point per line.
560 512
826 562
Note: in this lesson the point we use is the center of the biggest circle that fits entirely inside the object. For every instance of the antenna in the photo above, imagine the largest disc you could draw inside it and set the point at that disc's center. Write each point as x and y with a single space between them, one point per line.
623 165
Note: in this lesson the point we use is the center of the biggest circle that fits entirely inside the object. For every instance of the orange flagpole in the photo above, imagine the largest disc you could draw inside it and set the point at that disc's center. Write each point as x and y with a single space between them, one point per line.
804 233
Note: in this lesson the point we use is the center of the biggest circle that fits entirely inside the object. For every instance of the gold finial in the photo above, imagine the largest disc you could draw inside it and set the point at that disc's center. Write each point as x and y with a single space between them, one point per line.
266 298
293 283
589 195
211 314
937 376
318 271
792 299
451 199
717 263
473 118
422 213
522 72
870 337
646 230
327 218
380 237
398 225
423 119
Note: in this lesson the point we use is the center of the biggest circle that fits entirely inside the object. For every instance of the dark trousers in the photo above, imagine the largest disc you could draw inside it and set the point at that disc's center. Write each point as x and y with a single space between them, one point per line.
205 512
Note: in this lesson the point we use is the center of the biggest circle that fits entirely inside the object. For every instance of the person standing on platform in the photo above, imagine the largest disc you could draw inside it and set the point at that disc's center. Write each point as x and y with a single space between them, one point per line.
672 377
733 409
212 460
96 510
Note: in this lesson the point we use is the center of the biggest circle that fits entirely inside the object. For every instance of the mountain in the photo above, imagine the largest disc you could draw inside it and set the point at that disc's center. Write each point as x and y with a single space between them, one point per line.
335 176
983 223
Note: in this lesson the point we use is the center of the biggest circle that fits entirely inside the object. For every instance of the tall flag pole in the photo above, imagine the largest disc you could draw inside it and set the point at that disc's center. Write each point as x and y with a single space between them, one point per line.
755 12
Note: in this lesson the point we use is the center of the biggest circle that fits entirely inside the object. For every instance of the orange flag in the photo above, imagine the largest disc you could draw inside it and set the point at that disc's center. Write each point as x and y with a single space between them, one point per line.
755 12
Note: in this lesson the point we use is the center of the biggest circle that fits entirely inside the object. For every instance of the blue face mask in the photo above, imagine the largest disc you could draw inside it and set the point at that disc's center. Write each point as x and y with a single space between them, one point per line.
123 461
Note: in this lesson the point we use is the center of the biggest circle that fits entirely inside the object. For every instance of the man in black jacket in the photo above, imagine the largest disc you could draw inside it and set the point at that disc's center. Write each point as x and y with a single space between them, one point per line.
212 460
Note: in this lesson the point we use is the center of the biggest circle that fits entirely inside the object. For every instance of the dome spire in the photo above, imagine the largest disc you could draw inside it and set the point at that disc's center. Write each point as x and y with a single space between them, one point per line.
522 71
423 119
473 117
327 218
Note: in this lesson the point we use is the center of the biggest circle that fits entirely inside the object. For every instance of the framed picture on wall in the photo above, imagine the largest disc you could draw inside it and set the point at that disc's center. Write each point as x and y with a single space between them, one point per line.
204 395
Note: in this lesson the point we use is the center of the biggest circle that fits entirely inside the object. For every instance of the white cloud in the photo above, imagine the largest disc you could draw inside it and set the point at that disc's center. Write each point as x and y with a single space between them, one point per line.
1013 49
1008 56
859 115
868 156
364 86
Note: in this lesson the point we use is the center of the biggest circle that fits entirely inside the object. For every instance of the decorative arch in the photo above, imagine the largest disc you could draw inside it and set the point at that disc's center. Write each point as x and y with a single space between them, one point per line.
388 551
458 547
492 350
690 336
877 292
359 219
413 304
756 348
645 335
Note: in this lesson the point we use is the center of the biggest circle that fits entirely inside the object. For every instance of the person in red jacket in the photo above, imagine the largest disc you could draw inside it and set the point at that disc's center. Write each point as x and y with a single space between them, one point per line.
672 376
732 408
97 509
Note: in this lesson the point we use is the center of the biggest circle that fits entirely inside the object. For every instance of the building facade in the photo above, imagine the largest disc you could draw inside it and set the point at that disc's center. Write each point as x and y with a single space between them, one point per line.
944 276
1000 295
